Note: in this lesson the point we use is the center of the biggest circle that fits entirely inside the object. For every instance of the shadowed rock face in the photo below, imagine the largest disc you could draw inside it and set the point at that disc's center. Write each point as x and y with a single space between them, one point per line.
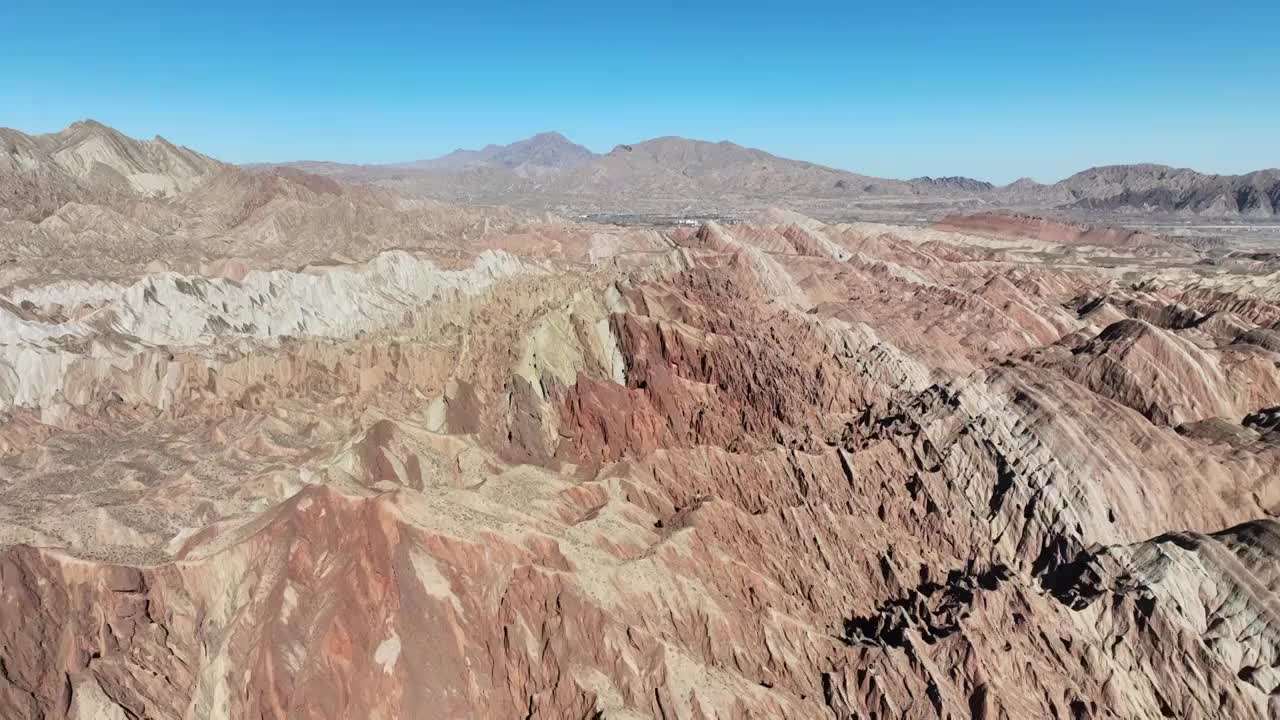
781 469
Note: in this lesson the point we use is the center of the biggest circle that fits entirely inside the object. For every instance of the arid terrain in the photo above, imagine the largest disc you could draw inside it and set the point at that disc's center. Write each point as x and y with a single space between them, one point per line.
683 430
677 176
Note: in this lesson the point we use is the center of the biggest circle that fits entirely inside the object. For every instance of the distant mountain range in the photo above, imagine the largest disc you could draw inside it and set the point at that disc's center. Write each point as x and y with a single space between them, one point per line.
39 173
1150 188
548 169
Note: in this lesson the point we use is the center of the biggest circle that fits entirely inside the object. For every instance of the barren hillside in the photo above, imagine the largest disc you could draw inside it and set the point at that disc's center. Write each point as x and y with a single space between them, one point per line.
275 444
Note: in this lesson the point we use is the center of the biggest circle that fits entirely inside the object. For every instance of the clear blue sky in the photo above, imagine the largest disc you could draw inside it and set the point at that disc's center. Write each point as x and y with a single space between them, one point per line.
994 90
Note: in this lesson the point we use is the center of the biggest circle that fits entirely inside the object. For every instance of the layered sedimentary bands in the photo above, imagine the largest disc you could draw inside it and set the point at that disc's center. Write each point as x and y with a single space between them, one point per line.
538 469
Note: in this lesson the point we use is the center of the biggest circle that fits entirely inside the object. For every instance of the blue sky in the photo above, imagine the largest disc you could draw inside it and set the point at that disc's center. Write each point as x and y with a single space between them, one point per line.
990 90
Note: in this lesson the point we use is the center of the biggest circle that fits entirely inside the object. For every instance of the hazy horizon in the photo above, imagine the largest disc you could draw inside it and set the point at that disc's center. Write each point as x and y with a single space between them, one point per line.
995 93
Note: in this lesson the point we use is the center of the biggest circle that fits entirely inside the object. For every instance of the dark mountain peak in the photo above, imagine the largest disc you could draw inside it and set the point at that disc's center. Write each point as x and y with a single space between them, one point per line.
550 136
680 141
544 151
676 151
953 182
1128 169
539 154
1024 183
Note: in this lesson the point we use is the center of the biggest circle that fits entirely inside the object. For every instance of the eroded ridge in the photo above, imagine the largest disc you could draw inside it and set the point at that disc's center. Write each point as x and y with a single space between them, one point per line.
779 469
